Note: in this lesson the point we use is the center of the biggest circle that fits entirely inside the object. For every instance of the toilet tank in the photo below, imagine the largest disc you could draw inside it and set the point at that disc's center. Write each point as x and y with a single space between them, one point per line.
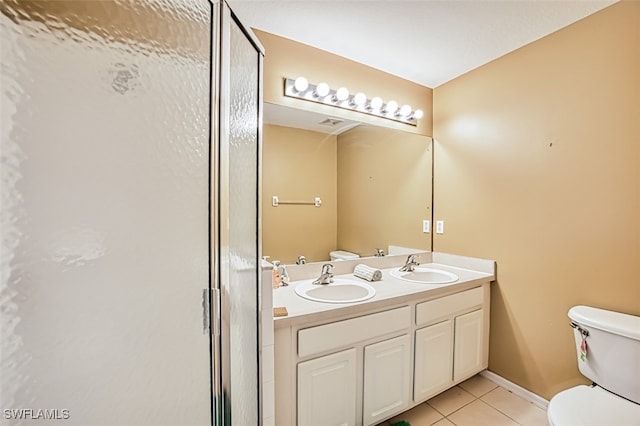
342 255
613 349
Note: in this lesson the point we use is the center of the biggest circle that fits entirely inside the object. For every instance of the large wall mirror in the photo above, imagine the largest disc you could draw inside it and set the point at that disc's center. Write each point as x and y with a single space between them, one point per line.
374 184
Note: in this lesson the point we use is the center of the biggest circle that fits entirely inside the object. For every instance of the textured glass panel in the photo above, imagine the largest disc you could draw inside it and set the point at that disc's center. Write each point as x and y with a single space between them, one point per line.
105 129
243 232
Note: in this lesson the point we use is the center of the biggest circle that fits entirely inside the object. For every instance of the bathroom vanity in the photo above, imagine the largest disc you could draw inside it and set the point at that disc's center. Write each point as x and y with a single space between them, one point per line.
363 363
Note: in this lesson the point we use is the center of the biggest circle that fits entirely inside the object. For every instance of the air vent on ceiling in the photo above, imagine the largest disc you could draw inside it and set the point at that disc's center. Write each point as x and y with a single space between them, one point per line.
331 121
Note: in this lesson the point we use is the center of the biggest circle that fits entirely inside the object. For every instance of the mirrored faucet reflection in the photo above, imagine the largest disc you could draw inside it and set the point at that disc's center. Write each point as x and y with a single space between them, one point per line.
410 264
326 276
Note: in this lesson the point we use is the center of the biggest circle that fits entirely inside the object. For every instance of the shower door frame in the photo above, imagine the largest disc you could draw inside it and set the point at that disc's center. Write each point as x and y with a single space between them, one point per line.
219 302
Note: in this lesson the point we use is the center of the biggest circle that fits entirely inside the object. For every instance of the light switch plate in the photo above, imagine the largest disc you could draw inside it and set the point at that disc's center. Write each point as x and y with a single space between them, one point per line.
426 226
439 226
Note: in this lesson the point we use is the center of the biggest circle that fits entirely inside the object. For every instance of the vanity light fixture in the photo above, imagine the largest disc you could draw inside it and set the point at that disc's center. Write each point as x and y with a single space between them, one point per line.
300 88
322 90
342 94
359 100
301 84
391 107
405 110
375 104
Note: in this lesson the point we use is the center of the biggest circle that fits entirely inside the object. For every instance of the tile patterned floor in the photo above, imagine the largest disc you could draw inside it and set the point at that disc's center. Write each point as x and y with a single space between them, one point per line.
475 402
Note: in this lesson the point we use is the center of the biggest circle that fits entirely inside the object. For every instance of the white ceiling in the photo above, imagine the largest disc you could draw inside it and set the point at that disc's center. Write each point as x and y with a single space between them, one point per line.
427 42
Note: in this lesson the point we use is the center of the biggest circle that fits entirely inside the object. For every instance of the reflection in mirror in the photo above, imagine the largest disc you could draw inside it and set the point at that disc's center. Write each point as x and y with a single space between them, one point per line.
375 184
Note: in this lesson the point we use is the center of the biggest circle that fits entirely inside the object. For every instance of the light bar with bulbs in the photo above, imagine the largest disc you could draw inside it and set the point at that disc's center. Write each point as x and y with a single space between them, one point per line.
321 93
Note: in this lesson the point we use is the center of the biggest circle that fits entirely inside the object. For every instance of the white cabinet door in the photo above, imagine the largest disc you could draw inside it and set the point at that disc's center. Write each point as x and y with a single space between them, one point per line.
433 360
468 347
387 379
327 390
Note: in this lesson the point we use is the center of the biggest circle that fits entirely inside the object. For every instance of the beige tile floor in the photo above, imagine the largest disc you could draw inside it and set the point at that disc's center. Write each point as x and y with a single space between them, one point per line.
475 402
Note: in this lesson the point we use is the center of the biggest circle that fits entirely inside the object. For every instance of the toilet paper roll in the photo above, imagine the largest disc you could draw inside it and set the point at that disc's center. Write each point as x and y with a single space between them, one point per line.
367 273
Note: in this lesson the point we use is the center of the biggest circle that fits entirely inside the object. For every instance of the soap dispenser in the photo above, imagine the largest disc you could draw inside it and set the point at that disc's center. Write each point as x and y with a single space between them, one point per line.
276 278
284 276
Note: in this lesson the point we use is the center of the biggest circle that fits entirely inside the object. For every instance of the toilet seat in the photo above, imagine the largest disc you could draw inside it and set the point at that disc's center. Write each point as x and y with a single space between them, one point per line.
591 406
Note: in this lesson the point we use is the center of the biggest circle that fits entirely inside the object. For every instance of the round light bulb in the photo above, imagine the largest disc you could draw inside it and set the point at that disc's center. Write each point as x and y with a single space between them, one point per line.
322 90
359 99
301 84
418 114
405 110
391 107
342 94
376 103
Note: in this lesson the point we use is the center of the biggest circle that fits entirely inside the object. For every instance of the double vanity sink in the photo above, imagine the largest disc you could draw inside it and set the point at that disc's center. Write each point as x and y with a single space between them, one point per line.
356 352
344 290
436 274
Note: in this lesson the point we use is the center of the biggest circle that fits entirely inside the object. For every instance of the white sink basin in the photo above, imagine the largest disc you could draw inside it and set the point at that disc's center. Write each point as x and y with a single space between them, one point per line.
339 291
424 275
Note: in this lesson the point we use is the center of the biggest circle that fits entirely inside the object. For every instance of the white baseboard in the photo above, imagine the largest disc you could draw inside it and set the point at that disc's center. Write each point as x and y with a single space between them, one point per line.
515 389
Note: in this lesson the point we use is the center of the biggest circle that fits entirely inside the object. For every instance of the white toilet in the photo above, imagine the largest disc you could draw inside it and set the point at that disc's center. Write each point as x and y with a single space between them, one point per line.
612 362
342 255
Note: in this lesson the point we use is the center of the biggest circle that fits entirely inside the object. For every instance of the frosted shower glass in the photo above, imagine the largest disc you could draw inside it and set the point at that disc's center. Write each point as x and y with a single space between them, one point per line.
105 171
239 211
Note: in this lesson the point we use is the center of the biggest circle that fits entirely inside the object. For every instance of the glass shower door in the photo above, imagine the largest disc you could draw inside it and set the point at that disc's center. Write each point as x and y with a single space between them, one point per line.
105 121
239 225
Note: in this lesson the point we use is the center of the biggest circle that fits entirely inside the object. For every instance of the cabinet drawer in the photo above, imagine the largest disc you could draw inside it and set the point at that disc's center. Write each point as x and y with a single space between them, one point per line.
432 310
342 333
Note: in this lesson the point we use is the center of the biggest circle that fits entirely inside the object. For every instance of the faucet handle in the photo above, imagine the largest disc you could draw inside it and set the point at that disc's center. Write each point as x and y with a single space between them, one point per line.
379 252
326 276
410 264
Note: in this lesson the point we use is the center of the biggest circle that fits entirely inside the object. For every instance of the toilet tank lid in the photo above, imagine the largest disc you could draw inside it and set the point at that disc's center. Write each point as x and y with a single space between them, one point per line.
342 253
614 322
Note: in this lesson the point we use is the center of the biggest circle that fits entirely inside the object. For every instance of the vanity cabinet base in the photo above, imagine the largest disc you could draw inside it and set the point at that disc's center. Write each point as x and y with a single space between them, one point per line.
395 359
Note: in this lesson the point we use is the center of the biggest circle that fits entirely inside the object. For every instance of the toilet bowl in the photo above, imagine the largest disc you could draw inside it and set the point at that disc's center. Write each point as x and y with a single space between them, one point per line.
591 406
608 353
342 255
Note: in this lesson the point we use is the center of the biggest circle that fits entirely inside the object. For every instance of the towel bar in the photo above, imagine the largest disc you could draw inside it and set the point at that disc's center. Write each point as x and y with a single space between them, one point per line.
275 202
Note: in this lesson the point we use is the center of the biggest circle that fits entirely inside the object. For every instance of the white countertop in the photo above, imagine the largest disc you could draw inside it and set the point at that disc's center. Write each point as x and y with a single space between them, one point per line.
389 291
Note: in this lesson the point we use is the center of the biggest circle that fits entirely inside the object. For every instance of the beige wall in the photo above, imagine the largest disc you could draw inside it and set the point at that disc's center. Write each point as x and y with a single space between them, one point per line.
285 58
384 189
298 165
537 165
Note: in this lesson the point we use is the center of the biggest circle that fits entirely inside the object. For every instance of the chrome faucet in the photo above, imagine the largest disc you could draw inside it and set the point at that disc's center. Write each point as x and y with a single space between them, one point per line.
301 260
379 253
326 276
410 264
